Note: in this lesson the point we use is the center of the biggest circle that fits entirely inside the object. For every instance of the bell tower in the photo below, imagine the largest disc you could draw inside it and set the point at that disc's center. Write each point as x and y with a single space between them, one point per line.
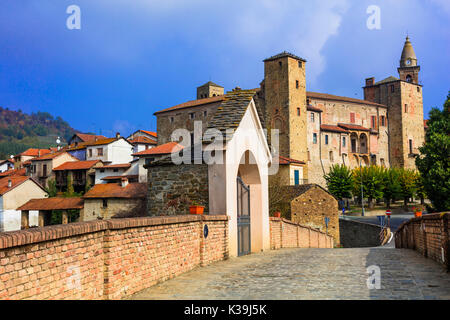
409 69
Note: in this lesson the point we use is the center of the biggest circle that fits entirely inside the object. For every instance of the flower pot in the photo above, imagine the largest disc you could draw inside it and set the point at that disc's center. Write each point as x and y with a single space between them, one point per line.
418 214
277 214
196 209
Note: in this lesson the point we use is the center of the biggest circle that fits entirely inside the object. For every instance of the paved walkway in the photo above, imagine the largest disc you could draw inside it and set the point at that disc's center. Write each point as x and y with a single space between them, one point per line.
310 274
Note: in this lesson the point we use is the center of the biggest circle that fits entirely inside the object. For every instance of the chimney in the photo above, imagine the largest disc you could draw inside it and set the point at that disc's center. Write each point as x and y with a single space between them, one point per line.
124 182
370 81
9 183
117 135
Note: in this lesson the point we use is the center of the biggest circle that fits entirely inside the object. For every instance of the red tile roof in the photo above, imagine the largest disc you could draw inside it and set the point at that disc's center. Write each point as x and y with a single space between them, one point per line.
130 176
326 96
16 180
52 156
115 190
327 127
89 137
350 126
13 172
166 148
142 140
193 103
76 165
119 165
154 134
54 203
284 160
32 152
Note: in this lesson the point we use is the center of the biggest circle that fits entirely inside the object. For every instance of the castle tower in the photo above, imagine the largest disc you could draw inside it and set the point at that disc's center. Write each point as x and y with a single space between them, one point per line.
285 103
409 70
208 90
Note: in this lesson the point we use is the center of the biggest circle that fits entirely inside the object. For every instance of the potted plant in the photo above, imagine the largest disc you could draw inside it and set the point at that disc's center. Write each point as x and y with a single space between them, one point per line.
277 214
196 208
417 211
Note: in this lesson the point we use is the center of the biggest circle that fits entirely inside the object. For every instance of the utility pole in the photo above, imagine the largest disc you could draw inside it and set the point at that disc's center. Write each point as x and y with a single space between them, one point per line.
362 193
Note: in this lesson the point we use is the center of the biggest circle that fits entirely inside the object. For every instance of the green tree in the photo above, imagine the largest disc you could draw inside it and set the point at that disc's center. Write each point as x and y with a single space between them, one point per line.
433 162
407 180
391 185
340 181
51 189
420 188
372 182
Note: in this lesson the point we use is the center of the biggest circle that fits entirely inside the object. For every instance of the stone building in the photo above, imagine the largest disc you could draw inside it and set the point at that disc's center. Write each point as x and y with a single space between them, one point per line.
310 204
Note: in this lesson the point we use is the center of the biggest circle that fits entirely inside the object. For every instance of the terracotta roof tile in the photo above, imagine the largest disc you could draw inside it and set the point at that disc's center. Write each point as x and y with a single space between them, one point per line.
350 126
89 137
54 203
16 180
119 165
76 165
142 140
13 172
327 127
154 134
115 190
166 148
130 176
193 103
52 156
285 160
32 152
326 96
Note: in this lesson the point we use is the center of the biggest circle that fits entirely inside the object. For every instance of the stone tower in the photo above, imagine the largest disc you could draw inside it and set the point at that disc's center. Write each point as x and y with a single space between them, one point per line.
208 90
284 89
403 97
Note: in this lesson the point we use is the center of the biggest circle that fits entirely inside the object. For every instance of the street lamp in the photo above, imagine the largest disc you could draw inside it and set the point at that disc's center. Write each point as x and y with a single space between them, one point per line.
362 193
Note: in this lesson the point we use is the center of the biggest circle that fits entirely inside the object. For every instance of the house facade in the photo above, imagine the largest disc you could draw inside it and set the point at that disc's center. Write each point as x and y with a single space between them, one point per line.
15 191
81 174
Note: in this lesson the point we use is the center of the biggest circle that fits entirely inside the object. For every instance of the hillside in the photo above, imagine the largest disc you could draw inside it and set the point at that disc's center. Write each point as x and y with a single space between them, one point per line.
20 131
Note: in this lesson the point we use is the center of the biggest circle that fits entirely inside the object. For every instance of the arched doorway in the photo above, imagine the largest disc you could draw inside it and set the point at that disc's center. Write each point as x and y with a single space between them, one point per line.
363 143
248 206
354 142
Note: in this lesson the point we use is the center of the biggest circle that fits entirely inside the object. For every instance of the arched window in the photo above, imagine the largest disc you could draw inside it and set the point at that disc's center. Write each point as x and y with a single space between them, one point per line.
408 78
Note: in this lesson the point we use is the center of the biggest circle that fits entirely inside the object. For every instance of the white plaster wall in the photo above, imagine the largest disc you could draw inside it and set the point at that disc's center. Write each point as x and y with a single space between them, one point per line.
10 220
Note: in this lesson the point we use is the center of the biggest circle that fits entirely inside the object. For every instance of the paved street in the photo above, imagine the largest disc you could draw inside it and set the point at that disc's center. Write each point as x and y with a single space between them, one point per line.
310 274
396 219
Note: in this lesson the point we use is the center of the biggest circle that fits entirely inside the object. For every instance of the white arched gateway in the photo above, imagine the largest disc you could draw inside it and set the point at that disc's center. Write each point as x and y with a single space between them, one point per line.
239 186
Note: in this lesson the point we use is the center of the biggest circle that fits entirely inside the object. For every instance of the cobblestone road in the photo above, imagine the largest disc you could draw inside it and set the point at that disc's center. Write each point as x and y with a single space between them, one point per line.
310 274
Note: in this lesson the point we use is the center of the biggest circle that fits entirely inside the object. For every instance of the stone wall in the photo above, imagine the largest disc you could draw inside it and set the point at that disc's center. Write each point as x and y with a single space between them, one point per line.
169 182
287 234
428 235
106 259
354 234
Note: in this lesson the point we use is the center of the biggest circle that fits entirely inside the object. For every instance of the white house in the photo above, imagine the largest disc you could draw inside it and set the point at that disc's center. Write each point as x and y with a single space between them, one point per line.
6 165
111 150
115 172
15 191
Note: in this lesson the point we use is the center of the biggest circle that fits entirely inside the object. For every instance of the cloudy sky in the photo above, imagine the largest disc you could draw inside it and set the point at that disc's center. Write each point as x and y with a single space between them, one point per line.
133 57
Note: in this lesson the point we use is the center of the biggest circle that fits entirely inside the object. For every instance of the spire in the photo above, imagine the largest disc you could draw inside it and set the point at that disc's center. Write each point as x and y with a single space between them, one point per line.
408 58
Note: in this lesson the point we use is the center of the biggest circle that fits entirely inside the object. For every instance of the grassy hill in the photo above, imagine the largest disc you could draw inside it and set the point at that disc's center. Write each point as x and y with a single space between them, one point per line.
20 131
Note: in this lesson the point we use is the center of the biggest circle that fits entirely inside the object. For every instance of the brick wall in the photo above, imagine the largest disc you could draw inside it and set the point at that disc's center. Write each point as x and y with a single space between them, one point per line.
428 235
287 234
106 259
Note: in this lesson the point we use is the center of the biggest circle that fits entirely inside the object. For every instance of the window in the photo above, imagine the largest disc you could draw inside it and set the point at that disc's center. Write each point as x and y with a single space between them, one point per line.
276 111
102 170
171 119
343 141
309 156
312 116
90 152
383 120
418 89
331 156
100 152
115 170
191 115
373 122
44 170
280 63
408 78
410 146
105 203
326 139
205 113
298 111
406 108
382 162
296 84
314 138
352 117
299 64
392 88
